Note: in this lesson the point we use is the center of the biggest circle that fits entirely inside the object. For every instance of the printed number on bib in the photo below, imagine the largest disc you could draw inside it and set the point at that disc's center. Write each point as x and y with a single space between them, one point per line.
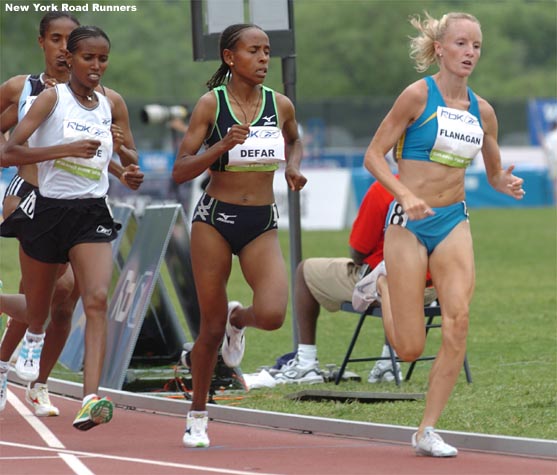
28 204
398 216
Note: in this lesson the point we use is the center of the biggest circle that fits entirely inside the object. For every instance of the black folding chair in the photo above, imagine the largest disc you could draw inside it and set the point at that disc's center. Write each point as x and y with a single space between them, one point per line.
430 312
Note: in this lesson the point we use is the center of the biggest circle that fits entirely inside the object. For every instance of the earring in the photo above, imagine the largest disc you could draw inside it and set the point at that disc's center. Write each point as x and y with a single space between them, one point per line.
231 63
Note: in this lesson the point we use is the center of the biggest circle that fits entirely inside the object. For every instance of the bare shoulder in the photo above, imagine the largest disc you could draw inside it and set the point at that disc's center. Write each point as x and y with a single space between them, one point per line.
206 107
113 96
411 102
11 89
415 92
283 100
285 107
488 116
486 109
209 99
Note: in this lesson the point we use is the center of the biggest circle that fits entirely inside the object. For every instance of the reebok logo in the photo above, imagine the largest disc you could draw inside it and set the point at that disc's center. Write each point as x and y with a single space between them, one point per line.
103 230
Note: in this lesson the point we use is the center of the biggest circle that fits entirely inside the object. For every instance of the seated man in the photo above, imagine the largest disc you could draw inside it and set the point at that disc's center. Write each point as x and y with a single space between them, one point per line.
328 282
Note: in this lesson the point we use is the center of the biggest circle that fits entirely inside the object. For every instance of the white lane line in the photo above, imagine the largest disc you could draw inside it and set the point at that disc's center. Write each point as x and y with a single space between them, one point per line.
159 463
44 432
76 465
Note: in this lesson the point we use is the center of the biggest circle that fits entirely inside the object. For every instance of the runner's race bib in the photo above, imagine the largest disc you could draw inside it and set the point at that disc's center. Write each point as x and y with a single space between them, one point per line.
264 145
90 168
459 138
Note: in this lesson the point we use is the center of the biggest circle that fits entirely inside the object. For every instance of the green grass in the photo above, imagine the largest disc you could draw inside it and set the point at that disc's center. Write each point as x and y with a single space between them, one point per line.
512 344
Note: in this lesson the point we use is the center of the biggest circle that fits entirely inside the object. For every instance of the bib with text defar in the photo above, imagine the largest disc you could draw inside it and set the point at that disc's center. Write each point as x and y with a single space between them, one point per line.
264 145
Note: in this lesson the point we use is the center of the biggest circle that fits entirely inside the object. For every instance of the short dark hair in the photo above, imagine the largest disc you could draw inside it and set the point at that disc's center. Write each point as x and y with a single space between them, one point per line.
50 17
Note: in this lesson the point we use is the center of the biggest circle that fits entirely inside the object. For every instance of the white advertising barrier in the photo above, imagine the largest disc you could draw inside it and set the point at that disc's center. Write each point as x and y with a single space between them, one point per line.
327 201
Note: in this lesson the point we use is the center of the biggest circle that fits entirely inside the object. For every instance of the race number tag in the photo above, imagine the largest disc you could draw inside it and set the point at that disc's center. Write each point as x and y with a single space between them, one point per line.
90 168
264 145
459 138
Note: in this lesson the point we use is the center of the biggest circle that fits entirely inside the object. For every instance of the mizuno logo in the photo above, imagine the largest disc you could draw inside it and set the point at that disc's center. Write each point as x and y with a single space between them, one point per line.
269 119
226 218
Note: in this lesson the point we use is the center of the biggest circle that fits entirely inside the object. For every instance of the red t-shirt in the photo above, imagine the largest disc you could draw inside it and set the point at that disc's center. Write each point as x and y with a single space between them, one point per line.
368 229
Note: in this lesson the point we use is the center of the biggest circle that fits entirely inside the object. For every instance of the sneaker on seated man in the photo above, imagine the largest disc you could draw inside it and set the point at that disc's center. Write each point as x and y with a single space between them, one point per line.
328 282
383 371
303 368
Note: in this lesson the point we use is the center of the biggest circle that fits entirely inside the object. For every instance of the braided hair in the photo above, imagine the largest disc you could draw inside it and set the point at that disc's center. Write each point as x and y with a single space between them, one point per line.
228 39
82 33
49 17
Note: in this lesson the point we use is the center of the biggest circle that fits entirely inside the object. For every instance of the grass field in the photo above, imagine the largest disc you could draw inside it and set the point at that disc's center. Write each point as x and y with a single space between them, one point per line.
512 345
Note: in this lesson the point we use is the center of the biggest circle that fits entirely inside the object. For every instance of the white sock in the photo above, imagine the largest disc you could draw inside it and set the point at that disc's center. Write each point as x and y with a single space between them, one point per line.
307 355
386 351
198 413
34 336
4 366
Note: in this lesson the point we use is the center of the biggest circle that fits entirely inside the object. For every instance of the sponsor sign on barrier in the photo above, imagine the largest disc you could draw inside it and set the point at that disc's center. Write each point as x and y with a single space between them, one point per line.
143 323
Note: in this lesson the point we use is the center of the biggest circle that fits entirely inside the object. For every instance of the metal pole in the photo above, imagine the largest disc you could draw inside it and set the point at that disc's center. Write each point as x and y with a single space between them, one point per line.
294 223
197 30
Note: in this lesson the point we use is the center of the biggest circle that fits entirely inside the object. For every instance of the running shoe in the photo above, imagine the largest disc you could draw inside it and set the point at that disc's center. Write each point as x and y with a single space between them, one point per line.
293 372
432 445
39 400
3 389
94 412
196 430
383 372
27 364
234 343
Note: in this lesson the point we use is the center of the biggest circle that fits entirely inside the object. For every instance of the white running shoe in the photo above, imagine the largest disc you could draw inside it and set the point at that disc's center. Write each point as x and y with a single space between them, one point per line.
27 364
293 372
39 400
383 372
3 389
432 445
196 430
234 343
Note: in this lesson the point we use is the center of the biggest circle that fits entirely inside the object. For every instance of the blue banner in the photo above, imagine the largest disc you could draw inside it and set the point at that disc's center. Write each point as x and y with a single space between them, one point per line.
542 114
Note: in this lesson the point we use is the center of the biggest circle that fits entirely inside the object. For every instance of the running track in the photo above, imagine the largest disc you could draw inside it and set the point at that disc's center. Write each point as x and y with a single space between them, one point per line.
139 442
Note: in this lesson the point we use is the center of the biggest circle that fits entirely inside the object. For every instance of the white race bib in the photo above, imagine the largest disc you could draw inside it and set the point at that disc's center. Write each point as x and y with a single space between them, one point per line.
459 138
90 168
264 145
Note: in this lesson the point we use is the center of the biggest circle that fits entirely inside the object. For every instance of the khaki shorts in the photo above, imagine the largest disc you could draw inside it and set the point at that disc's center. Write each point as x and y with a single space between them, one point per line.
331 281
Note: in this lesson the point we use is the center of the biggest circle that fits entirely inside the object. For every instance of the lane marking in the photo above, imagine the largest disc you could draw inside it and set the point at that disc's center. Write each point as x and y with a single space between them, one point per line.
76 465
200 468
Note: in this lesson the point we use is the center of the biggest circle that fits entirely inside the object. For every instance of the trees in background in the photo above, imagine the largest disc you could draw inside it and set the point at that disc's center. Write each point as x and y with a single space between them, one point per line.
345 48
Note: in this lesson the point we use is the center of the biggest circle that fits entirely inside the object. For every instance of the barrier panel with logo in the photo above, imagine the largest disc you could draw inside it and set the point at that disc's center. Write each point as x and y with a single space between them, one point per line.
143 321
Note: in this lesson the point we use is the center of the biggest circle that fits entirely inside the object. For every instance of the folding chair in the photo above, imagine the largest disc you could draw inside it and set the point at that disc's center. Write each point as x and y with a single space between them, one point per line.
430 312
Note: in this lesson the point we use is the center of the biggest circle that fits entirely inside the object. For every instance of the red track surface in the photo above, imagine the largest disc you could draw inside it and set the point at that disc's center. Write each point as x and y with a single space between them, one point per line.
144 443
